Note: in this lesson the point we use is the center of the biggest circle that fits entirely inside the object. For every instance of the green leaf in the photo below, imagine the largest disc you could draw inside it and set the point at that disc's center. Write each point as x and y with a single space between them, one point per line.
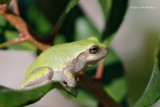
11 98
71 5
3 22
112 57
152 92
59 39
5 2
117 89
38 20
83 98
85 29
107 41
106 7
86 99
115 17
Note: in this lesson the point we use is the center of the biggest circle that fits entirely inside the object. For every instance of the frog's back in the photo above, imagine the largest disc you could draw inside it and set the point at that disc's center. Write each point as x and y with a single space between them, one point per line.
56 56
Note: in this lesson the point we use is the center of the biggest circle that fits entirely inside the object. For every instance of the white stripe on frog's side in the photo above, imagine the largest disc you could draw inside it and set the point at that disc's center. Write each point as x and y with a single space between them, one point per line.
40 80
41 68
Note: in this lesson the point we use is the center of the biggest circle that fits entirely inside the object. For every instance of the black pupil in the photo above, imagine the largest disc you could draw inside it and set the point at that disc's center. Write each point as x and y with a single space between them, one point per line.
94 50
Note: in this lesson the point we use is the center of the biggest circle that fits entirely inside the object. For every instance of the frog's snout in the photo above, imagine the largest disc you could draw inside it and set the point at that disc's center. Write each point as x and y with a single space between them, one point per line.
106 50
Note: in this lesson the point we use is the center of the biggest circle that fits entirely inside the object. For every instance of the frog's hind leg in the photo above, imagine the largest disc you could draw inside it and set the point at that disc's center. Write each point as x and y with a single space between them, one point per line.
38 77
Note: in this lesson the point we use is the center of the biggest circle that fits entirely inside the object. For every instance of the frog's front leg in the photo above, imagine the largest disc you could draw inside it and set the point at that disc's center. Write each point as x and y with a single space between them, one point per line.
69 78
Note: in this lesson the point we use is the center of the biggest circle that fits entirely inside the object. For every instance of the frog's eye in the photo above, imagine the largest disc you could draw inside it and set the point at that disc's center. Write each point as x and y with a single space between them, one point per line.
93 49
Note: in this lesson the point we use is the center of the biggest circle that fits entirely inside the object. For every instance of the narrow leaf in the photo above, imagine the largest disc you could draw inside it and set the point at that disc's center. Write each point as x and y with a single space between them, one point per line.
60 21
152 92
115 17
71 5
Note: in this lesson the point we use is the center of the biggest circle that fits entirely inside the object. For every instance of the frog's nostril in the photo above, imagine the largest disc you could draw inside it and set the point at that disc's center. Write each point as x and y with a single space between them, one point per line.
106 49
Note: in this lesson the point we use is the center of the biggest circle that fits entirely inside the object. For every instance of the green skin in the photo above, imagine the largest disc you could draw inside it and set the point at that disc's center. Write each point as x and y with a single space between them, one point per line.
63 62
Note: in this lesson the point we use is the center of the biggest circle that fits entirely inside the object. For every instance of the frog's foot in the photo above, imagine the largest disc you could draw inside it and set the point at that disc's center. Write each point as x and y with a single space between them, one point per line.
64 84
38 77
77 81
69 78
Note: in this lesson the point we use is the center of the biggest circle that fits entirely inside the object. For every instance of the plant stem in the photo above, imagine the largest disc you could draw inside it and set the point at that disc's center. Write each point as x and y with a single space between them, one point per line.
12 42
24 28
99 72
58 26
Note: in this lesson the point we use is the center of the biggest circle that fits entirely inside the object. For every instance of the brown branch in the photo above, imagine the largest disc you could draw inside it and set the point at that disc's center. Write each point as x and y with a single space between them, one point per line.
96 89
22 27
12 42
99 72
3 7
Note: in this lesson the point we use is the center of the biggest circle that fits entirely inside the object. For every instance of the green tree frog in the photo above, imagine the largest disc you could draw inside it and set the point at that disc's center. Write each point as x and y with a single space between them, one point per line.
63 62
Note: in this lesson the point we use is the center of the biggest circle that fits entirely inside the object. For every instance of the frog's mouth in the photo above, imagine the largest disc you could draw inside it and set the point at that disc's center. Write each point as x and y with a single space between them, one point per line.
90 64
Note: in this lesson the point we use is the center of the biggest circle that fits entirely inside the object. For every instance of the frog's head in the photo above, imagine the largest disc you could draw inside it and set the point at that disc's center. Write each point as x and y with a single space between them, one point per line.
94 52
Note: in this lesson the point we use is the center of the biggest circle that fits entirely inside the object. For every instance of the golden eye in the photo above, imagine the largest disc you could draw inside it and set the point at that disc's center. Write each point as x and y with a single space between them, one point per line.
94 49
